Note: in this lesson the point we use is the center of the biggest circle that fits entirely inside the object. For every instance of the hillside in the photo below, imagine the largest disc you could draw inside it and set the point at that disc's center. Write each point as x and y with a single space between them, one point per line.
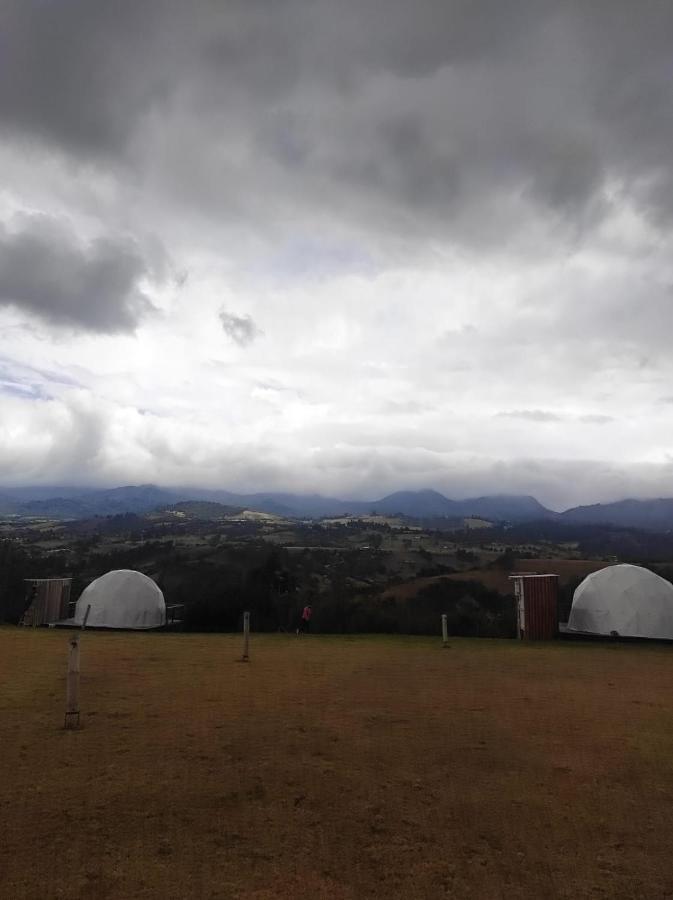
131 498
504 507
204 510
655 515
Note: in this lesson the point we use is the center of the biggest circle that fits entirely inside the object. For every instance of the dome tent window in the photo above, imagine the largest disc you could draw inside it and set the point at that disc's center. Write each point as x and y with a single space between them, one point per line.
122 599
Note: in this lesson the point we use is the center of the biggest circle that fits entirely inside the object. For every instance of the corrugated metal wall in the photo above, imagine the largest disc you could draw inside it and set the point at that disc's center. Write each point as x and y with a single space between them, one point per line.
537 597
49 599
541 605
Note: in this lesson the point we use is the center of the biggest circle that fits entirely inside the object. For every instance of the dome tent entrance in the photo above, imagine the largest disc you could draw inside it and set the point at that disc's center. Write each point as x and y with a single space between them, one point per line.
122 598
625 600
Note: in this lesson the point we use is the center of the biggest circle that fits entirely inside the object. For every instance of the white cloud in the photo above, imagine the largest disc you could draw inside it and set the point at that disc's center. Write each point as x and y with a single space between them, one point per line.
439 256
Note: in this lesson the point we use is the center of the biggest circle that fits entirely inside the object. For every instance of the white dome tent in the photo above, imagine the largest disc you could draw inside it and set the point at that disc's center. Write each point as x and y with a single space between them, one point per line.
122 598
623 600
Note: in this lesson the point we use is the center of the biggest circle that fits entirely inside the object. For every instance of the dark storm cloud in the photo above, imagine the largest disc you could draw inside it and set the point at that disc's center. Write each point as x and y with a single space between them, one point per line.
46 271
241 329
77 72
450 116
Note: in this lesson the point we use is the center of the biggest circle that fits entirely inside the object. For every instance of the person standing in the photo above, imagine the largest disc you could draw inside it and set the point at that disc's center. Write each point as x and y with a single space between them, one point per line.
305 620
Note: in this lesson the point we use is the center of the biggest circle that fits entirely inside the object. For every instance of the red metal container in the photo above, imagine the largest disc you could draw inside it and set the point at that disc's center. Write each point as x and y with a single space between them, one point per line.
537 606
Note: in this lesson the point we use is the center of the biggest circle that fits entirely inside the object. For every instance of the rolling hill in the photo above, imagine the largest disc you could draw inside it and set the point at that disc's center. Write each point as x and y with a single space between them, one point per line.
653 515
71 504
79 503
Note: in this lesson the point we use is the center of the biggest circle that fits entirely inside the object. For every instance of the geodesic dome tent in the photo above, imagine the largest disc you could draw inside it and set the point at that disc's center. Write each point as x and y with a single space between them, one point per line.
122 599
626 600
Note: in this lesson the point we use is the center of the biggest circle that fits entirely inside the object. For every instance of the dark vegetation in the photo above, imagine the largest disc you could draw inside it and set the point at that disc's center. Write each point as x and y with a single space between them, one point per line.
221 575
218 564
17 563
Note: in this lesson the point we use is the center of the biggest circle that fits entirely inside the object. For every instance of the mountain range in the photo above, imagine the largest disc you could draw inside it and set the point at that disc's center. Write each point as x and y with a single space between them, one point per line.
78 503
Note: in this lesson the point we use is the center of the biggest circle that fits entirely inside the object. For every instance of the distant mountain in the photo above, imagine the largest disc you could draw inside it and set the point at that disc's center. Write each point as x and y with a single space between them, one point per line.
8 505
13 499
74 503
414 504
134 499
263 502
291 505
506 508
654 515
82 503
44 492
418 504
57 508
278 503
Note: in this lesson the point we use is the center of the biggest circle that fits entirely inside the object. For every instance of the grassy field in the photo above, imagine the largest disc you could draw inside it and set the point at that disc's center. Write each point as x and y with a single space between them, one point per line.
335 768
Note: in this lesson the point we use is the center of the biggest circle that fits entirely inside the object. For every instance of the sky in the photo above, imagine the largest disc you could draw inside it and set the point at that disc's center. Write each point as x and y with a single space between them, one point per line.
338 246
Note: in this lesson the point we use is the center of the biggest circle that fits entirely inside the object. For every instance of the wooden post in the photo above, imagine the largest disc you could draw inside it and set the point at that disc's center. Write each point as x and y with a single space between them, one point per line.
445 633
246 636
72 685
72 680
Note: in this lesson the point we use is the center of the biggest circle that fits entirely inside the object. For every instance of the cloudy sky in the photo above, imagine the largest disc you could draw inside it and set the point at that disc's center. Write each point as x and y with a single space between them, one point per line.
346 246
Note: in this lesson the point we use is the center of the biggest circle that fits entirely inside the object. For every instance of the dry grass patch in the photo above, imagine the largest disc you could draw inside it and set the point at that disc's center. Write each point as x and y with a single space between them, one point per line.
335 768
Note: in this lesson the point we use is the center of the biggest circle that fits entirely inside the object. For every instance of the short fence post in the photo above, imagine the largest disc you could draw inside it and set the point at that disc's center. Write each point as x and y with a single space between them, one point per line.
72 680
72 685
445 632
246 637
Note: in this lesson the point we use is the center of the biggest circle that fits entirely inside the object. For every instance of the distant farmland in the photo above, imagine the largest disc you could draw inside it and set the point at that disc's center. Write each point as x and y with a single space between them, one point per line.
566 569
336 768
498 579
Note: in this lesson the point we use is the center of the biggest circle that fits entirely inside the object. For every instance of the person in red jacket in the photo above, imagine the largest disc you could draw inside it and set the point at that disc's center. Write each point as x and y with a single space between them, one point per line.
305 620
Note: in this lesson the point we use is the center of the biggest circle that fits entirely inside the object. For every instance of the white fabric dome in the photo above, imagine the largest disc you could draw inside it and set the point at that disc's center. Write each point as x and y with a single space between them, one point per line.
628 600
122 599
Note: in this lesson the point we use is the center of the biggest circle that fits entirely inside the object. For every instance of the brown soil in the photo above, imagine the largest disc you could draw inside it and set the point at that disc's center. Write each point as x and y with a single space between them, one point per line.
335 768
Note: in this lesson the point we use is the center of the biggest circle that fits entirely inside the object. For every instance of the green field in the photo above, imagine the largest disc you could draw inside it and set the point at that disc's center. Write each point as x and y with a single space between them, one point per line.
334 767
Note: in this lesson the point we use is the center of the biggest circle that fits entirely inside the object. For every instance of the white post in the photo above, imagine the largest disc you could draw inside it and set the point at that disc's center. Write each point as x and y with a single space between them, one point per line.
520 595
445 632
246 636
72 680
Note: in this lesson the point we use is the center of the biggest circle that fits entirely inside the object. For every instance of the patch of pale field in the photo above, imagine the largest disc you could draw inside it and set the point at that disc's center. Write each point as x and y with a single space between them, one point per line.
393 521
476 523
333 767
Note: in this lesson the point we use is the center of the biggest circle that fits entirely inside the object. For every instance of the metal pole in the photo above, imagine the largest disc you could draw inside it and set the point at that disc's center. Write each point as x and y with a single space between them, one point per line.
246 636
445 631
